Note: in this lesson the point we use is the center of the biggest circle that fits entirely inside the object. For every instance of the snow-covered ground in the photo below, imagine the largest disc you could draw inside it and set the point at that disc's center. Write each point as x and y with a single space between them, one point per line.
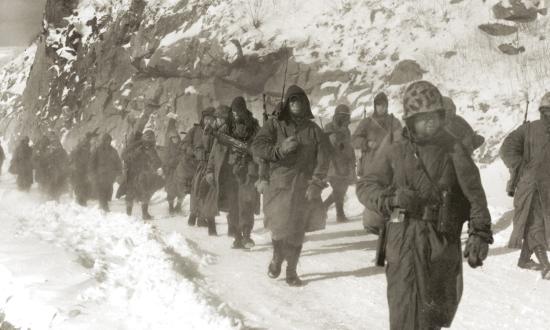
63 266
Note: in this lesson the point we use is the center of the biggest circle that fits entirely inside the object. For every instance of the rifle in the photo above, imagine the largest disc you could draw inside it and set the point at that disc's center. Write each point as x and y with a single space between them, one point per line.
284 80
264 115
229 141
381 246
514 173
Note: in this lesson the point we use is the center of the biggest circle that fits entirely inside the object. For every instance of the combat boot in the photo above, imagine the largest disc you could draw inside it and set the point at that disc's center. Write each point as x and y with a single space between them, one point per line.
525 260
274 268
328 202
248 242
238 242
292 257
212 227
231 231
177 208
202 222
340 215
145 212
540 252
171 209
192 220
129 208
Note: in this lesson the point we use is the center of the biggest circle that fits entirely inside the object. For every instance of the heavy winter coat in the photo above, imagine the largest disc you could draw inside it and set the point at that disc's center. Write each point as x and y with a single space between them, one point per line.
39 159
55 166
373 129
285 203
79 164
2 158
528 148
342 164
105 164
424 267
172 159
202 146
142 163
21 164
189 162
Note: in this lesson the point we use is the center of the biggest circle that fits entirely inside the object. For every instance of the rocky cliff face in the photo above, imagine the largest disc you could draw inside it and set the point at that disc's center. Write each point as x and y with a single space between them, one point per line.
103 59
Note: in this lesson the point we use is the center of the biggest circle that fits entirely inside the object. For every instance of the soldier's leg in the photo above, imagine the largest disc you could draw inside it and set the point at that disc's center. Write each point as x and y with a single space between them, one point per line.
535 234
233 217
525 260
145 210
292 250
129 202
274 268
339 192
330 199
103 195
212 226
246 215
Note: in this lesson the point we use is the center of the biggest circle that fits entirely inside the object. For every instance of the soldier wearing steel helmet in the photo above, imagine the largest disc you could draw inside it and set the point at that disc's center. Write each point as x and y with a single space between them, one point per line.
341 172
427 185
526 149
371 131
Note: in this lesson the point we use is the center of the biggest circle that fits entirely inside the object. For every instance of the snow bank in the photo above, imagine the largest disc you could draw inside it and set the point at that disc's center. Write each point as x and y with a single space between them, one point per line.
134 281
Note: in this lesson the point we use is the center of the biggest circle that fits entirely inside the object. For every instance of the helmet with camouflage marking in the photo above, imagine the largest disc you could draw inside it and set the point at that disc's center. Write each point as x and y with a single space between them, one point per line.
421 97
545 101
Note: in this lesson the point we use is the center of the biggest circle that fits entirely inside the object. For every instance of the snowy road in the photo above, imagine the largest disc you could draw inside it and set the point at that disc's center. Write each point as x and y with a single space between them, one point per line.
82 265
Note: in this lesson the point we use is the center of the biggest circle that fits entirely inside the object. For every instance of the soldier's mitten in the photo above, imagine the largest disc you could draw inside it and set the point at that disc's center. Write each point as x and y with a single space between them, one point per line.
476 251
407 199
289 145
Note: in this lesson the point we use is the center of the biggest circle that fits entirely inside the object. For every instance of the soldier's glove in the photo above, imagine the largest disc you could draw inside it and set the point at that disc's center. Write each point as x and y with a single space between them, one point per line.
261 185
406 199
476 251
289 145
477 246
209 177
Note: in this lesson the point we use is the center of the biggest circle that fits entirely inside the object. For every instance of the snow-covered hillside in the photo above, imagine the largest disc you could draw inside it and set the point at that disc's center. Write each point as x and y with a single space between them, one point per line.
101 57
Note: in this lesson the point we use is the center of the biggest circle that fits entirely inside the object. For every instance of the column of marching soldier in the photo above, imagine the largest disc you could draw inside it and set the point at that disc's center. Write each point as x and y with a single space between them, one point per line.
418 184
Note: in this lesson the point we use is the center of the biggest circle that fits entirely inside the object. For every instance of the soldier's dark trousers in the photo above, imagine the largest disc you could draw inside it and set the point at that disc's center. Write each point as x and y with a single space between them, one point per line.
104 194
246 211
81 192
24 181
535 230
292 256
337 196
